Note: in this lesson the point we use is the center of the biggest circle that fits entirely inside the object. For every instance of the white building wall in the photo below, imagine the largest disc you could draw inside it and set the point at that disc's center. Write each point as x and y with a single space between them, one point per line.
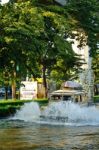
83 52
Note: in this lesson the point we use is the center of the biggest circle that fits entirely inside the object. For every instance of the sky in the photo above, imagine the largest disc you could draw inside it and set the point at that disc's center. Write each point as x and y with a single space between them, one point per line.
61 1
4 1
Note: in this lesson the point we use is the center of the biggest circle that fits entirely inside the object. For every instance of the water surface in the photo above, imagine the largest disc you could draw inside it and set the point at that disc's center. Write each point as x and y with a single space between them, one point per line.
27 131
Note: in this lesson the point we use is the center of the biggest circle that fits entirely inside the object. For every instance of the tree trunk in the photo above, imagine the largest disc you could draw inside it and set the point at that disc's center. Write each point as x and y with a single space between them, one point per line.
6 92
14 86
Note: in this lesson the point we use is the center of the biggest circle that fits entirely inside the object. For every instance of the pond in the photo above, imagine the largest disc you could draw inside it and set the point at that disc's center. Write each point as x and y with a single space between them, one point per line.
62 126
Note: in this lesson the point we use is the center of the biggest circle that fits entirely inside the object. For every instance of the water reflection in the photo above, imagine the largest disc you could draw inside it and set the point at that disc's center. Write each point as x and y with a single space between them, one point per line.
41 137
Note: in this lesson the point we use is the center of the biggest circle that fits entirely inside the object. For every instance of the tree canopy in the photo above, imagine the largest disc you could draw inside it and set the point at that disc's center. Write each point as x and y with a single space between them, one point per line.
33 35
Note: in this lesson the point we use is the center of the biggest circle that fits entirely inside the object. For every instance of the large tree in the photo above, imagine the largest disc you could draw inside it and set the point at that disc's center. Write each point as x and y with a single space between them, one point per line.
34 34
86 12
30 39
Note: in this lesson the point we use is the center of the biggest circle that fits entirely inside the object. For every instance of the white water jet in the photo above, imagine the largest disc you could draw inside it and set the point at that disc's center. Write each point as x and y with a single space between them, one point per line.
73 111
60 113
28 112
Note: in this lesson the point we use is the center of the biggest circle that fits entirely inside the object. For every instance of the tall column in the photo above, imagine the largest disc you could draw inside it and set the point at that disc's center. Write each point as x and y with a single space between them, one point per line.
87 77
90 81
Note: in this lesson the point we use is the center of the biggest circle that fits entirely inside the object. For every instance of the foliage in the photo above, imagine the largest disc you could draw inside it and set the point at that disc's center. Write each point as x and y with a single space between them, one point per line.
33 36
86 12
96 99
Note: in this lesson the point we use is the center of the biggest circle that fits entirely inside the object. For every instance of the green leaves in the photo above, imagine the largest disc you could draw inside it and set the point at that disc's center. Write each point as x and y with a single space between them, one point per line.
34 34
87 15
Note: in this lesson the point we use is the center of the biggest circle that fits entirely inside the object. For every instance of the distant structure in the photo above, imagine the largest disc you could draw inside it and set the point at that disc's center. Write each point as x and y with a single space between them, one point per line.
83 52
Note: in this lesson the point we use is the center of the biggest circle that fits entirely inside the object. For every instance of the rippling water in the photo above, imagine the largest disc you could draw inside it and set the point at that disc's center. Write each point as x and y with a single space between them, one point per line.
58 129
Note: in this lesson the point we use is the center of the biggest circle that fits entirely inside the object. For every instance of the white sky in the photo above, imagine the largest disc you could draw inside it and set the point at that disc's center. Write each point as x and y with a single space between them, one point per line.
60 1
4 1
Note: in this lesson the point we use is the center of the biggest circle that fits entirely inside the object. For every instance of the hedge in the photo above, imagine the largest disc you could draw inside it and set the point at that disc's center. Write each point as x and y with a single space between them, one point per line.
9 107
96 98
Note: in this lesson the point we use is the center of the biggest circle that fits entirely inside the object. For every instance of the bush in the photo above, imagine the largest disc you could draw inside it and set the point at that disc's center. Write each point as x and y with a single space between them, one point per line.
96 98
9 107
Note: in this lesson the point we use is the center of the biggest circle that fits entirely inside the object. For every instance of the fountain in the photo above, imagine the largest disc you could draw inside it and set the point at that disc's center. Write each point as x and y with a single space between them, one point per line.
87 76
60 113
65 113
28 112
